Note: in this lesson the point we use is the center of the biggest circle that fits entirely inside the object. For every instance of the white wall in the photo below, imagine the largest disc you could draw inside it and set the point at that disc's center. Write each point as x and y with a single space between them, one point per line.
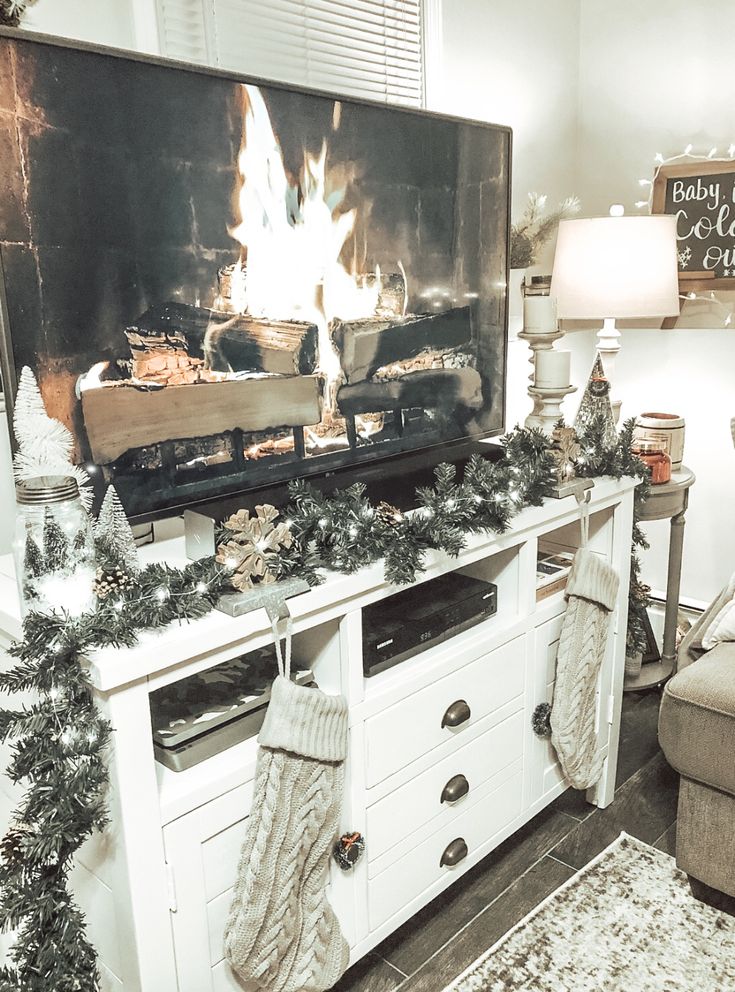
654 77
104 22
515 62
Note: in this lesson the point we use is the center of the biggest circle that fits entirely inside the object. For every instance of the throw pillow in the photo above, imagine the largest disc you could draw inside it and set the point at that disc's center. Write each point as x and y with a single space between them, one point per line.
722 627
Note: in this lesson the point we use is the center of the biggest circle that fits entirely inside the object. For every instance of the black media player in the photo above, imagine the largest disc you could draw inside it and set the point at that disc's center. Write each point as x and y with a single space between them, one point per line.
397 628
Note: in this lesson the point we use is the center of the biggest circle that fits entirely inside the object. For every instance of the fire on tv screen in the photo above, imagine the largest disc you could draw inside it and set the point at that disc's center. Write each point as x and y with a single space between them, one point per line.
221 283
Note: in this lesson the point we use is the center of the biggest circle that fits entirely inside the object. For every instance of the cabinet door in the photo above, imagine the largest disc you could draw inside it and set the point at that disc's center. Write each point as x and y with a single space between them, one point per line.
546 774
202 852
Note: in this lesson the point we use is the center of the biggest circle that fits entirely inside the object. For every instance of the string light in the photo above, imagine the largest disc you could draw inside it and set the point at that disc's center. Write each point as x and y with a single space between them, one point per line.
661 161
162 594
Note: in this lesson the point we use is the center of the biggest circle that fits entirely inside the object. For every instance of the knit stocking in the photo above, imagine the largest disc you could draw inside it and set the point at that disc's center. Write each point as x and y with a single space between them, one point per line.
591 593
282 934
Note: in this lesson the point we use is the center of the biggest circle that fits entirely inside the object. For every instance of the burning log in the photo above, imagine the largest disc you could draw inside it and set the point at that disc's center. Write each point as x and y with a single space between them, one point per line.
367 345
445 389
168 368
236 343
121 416
425 360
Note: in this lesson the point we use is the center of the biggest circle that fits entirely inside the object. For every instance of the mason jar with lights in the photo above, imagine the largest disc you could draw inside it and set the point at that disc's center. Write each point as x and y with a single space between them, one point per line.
53 546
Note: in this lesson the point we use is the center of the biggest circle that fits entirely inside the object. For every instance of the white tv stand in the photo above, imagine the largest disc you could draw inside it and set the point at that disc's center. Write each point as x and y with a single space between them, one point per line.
156 886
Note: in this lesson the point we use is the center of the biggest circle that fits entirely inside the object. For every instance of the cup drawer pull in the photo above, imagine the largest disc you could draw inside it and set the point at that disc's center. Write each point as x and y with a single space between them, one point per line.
455 789
456 714
454 853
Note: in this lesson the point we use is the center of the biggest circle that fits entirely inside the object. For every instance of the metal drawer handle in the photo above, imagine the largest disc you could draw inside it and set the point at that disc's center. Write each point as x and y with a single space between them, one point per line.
454 853
458 713
454 789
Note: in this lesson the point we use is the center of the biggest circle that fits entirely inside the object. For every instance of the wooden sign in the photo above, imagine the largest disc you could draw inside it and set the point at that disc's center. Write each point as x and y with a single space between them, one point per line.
702 196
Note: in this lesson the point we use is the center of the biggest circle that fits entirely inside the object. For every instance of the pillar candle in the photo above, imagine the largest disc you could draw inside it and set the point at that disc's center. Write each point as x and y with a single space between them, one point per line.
553 369
539 314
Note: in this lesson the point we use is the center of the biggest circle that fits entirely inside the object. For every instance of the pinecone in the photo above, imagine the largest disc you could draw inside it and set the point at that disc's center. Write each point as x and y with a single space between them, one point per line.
109 581
388 514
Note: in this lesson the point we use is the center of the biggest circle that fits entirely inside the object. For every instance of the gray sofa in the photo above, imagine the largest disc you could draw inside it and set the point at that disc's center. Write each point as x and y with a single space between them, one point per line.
697 735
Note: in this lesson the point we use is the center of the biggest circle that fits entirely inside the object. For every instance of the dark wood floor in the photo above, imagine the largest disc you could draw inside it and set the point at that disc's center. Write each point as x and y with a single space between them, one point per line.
437 944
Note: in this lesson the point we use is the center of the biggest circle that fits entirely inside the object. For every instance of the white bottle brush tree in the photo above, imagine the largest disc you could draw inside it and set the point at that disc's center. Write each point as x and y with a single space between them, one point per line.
44 444
113 538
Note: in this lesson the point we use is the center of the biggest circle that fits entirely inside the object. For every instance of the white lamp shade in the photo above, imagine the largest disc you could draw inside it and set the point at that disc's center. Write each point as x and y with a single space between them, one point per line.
616 267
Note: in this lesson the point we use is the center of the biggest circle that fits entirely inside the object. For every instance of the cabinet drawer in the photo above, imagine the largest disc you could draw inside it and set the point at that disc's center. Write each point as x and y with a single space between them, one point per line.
410 728
413 874
418 804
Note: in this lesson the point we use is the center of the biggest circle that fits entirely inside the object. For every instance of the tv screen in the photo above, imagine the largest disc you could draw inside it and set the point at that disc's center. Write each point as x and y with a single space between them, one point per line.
222 283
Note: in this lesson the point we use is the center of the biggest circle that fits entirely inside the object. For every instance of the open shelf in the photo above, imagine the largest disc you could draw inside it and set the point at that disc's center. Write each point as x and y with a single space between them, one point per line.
315 649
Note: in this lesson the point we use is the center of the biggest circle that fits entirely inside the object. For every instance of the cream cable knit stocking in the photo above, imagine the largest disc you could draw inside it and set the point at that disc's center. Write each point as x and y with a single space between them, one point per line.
591 593
281 934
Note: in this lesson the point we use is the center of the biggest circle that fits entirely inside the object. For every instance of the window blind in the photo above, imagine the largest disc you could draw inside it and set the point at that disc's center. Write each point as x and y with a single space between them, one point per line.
365 48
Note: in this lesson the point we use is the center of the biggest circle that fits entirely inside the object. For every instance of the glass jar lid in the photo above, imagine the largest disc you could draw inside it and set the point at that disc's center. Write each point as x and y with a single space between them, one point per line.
46 489
647 447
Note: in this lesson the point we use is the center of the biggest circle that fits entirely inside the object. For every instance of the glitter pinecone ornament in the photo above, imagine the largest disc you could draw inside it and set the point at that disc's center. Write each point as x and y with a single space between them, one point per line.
109 581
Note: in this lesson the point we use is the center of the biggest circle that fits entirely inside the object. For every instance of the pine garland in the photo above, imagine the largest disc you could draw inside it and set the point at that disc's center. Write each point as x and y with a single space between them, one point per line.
601 458
60 739
59 755
344 532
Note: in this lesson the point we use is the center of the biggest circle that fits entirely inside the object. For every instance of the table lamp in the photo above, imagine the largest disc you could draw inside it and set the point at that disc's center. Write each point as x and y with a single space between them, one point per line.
615 267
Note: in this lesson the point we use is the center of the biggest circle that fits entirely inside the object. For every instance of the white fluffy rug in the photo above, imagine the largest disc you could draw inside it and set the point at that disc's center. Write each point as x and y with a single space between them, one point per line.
627 922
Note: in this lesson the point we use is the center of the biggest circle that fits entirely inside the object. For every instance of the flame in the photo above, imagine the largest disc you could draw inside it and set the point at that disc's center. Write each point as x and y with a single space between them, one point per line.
292 235
93 378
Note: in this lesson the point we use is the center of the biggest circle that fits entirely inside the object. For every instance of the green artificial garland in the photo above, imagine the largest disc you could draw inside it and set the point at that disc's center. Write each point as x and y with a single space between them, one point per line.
601 459
60 739
59 756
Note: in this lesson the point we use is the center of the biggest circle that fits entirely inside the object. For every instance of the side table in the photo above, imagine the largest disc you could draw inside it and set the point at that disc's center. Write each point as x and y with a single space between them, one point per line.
668 501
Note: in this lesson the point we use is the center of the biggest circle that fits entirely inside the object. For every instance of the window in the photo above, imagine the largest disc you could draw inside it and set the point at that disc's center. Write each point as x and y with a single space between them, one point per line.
366 48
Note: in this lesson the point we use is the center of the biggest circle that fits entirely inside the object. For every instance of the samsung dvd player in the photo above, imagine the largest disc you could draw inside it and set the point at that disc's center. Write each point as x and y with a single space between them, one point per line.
397 628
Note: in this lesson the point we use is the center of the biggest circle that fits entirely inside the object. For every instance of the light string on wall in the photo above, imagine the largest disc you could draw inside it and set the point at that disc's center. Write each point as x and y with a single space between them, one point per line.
689 155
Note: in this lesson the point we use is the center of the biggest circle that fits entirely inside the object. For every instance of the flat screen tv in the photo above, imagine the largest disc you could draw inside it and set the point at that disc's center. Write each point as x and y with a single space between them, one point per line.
221 282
